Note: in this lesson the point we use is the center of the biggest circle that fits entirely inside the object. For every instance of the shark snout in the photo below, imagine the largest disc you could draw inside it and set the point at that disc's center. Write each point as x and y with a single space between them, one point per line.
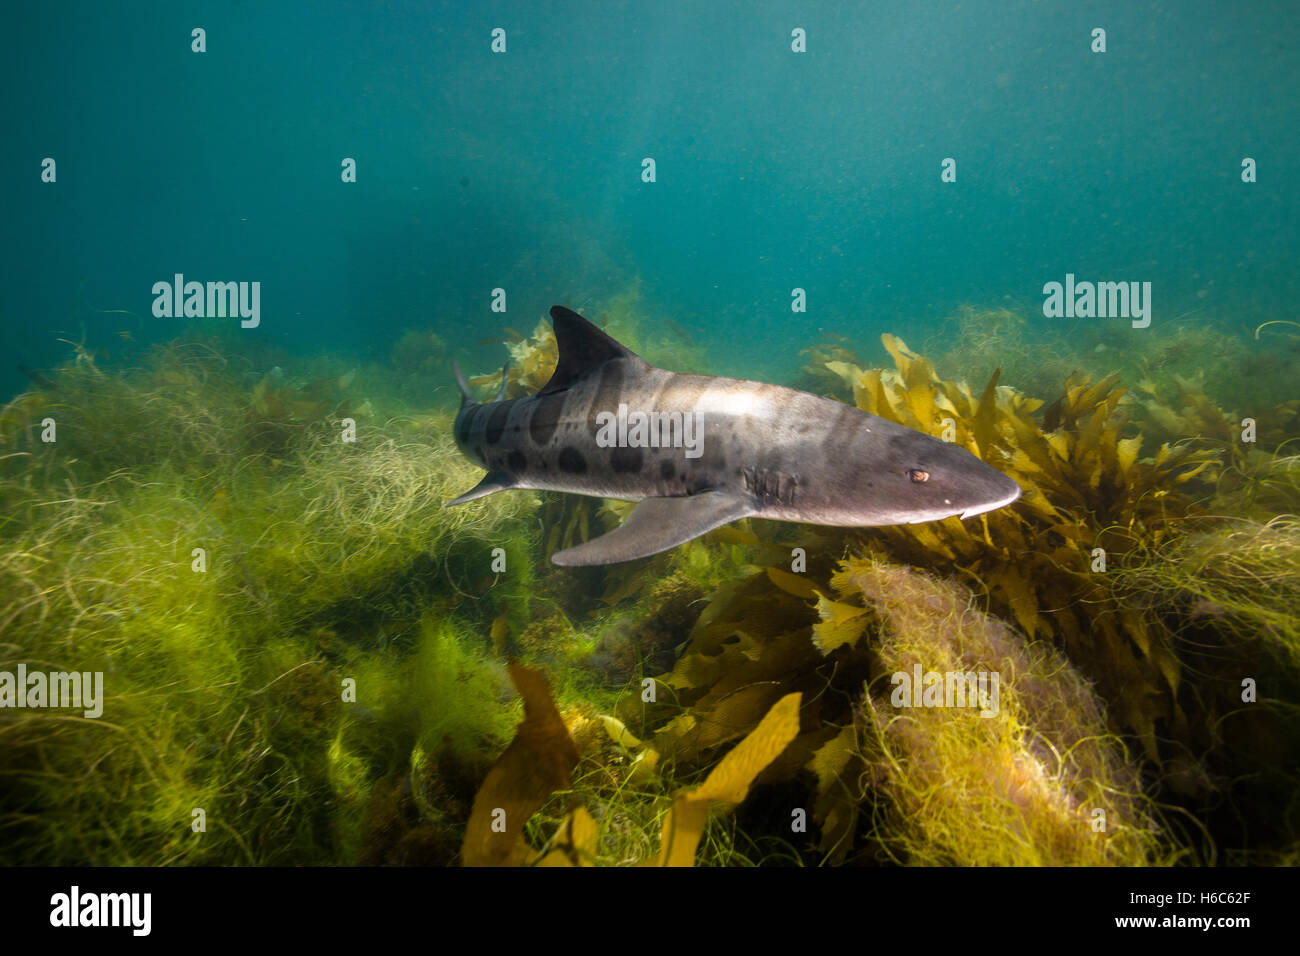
927 480
1005 492
958 484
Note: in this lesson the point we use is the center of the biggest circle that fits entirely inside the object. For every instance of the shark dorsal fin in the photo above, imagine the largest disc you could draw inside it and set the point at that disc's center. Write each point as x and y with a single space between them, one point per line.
582 347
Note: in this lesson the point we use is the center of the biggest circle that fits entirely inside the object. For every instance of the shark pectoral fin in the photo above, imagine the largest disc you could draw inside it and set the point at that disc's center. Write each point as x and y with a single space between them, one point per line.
493 481
657 524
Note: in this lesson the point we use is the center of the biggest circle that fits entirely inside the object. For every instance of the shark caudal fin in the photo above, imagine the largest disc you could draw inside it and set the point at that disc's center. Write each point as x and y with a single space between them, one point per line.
657 524
493 480
466 396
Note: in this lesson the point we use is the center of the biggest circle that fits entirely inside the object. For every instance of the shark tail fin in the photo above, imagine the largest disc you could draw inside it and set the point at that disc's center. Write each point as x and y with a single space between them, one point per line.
466 396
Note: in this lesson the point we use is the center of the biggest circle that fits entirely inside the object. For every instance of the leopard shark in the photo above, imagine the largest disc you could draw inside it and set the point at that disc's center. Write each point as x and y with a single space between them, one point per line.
699 451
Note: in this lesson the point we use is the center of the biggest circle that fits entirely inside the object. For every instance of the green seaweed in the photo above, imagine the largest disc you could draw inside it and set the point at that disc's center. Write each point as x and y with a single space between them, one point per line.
223 666
329 569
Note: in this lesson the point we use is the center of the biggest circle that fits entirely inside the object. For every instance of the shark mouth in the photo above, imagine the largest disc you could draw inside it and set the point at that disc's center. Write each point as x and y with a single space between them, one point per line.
970 512
991 506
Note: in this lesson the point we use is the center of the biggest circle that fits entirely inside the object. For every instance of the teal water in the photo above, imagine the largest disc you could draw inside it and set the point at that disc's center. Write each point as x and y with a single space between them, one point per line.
915 164
522 170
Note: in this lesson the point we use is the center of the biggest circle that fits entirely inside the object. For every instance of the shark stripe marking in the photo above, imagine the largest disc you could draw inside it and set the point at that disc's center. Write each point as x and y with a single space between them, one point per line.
496 423
608 391
547 412
843 429
478 422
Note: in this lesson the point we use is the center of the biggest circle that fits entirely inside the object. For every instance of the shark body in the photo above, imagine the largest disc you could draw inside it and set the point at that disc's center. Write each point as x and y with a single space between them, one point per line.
761 450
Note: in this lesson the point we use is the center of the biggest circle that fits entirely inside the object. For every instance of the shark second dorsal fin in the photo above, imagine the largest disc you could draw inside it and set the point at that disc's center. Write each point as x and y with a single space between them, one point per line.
657 524
583 348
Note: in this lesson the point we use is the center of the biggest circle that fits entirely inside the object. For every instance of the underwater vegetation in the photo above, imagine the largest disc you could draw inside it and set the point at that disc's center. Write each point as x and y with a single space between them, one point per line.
1023 785
1085 487
223 665
308 660
1241 574
1246 368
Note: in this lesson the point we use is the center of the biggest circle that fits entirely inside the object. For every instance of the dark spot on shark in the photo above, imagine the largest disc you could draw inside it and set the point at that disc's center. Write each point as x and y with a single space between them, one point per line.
546 416
517 461
667 469
626 461
497 422
571 461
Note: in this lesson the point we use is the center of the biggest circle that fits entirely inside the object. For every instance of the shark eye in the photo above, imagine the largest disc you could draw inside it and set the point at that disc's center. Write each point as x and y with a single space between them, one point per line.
917 475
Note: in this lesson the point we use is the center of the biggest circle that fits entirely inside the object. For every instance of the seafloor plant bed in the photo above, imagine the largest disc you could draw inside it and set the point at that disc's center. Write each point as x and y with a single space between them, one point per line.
306 659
